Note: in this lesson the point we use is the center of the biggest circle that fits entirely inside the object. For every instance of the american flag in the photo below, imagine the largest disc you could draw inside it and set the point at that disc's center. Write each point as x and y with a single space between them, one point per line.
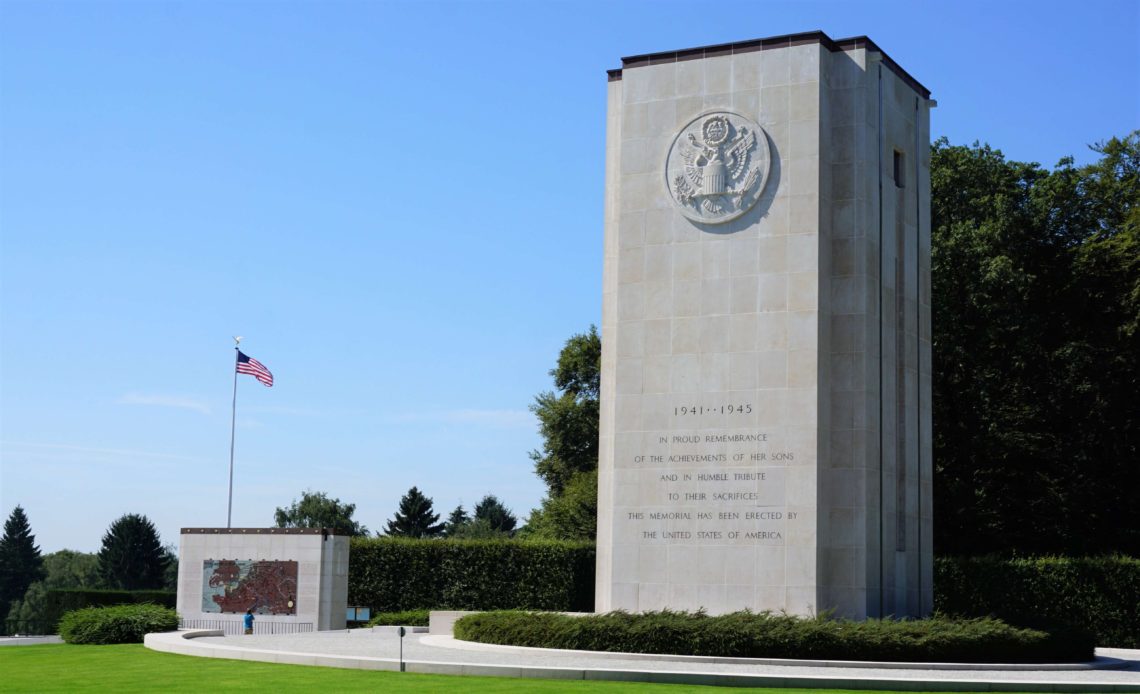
251 366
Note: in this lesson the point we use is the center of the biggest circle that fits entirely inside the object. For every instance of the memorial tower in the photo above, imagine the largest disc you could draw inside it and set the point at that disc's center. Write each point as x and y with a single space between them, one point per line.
765 387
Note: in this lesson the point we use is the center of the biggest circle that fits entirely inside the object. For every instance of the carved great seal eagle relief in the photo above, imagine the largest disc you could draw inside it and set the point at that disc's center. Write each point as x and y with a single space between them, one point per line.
717 166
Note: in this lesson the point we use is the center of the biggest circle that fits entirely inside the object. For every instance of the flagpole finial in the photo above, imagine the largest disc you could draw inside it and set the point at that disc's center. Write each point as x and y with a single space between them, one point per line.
237 340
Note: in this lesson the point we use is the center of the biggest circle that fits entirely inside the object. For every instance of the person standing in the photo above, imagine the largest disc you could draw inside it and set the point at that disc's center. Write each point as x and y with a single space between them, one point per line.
248 620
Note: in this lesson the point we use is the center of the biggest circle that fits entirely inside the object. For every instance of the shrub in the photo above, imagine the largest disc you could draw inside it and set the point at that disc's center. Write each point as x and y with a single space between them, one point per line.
59 601
117 624
391 574
1096 594
404 618
768 635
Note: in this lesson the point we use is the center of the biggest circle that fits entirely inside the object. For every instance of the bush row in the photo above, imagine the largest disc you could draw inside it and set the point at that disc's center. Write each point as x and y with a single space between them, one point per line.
404 618
393 574
1098 594
767 635
117 624
59 601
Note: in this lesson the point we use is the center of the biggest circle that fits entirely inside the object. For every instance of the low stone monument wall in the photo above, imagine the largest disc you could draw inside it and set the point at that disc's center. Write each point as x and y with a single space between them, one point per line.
287 576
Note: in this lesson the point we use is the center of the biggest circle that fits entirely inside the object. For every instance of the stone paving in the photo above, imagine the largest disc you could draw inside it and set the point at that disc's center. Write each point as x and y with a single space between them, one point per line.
435 653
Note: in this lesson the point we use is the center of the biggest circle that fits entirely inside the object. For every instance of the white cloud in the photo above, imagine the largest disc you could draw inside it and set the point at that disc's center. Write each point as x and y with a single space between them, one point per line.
175 401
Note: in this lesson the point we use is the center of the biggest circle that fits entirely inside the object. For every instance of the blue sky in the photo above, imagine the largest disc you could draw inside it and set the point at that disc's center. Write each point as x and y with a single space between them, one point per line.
399 205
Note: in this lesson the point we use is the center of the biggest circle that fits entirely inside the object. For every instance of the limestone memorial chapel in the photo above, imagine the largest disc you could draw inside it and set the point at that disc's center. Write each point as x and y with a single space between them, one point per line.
766 403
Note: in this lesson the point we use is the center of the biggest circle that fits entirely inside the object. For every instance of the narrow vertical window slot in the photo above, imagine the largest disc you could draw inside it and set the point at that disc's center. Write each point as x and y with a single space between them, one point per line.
900 169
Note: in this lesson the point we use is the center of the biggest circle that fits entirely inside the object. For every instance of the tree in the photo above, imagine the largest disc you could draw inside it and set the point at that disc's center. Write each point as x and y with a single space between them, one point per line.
1036 352
497 516
20 560
480 529
568 421
572 515
63 569
70 569
568 462
170 577
317 510
415 517
132 558
456 521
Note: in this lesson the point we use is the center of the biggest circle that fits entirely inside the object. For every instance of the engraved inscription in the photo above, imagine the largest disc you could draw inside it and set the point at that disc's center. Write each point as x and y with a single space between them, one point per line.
709 488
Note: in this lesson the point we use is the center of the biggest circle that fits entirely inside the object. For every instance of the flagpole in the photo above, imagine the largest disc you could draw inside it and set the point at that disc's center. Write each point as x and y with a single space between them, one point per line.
233 422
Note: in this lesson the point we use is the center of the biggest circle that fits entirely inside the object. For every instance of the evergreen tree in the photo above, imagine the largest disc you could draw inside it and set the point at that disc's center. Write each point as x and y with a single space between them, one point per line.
497 516
456 521
132 558
20 560
415 517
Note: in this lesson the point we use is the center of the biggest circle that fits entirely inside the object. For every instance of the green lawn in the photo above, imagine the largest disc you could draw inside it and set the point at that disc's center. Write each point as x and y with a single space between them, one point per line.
132 668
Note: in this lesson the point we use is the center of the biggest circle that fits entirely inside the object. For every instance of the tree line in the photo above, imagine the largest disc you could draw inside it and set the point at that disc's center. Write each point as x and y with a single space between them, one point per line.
415 517
131 558
1036 351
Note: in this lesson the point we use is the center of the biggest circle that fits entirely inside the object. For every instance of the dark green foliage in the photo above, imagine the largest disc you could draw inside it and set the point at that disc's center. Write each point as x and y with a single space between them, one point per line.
20 561
70 569
479 529
118 624
317 510
497 516
1098 594
767 635
568 421
571 515
170 576
404 618
132 558
415 517
455 521
68 599
58 602
63 569
1036 352
392 574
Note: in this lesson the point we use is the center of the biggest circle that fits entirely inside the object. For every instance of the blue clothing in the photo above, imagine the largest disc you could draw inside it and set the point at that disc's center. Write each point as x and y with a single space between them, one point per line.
248 619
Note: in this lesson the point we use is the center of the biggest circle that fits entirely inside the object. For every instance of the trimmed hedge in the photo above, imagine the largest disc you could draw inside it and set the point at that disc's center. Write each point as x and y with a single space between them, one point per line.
392 574
768 635
117 624
406 618
1096 594
1099 595
59 601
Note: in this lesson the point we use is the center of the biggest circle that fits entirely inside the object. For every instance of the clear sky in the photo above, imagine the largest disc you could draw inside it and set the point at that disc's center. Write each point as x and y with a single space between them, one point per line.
399 205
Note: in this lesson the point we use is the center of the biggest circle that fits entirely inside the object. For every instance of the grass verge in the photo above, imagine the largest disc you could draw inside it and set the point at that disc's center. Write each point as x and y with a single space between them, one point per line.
133 668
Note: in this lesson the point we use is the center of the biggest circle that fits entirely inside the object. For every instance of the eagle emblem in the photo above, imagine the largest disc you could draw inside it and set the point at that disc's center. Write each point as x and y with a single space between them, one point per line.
717 166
